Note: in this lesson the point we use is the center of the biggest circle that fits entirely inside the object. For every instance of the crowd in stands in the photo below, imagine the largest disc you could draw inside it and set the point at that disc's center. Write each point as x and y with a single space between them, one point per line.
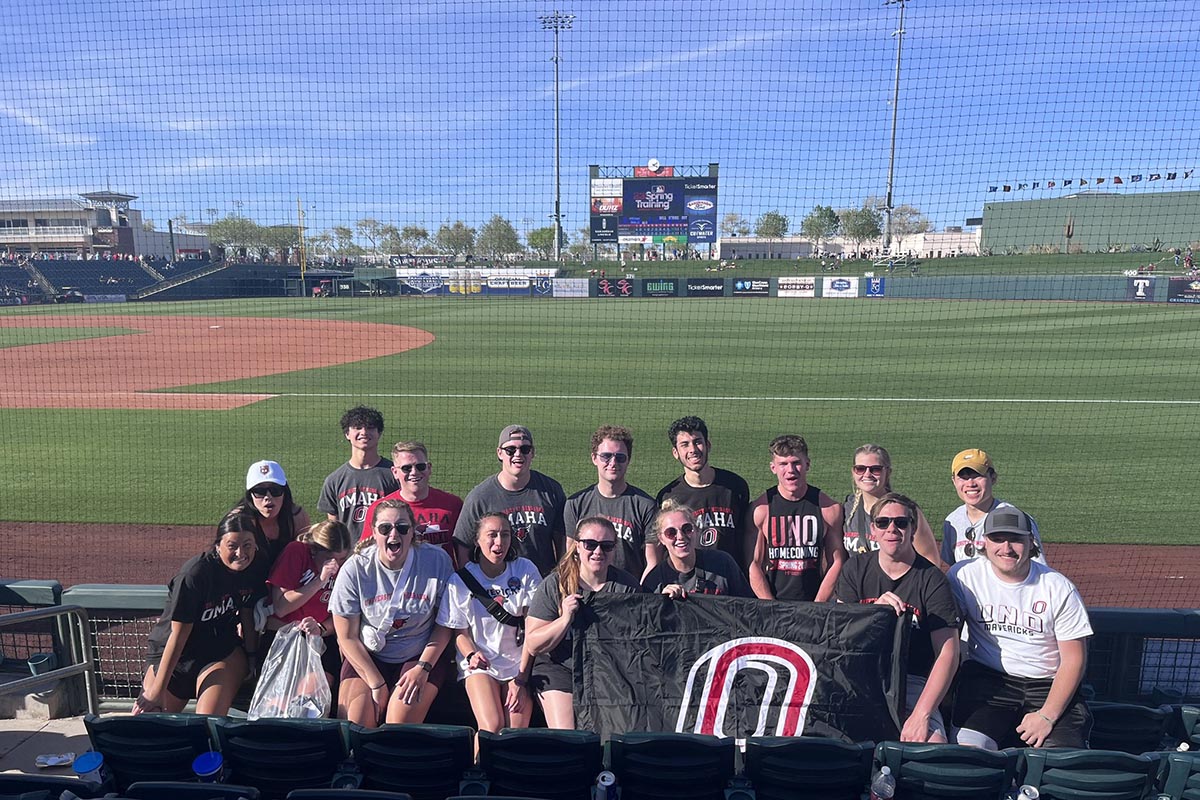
410 587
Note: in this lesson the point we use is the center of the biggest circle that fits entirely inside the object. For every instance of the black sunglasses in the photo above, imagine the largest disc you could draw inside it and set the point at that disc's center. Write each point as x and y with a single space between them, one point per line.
274 489
512 450
901 523
386 528
420 466
970 548
591 544
620 458
863 469
687 529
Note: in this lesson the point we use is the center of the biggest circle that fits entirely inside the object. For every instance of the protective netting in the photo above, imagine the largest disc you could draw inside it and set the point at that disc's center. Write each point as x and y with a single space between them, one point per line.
993 213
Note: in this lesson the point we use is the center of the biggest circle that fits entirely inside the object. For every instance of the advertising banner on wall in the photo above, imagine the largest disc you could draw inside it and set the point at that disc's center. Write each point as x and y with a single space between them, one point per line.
875 287
1183 290
797 287
570 287
660 287
542 286
425 283
839 287
751 287
1140 288
705 287
606 187
508 286
615 287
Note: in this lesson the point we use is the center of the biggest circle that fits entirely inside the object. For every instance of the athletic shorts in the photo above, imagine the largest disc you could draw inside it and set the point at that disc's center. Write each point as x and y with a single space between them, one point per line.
392 672
994 703
914 685
186 676
550 676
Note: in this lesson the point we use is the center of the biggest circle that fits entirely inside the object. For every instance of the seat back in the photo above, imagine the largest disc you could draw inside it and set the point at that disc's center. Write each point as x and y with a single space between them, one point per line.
538 762
276 756
661 766
426 761
1182 778
49 787
1090 774
1127 727
1190 715
804 767
149 747
180 790
345 794
948 770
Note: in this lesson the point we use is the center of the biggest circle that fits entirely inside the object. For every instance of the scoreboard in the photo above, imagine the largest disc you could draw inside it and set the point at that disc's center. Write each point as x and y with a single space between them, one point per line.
654 209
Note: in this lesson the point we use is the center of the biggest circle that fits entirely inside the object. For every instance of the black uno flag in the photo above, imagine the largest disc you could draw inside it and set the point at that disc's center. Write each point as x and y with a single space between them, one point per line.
737 667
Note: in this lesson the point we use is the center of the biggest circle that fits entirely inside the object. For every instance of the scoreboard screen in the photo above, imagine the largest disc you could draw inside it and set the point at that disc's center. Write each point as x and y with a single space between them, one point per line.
666 210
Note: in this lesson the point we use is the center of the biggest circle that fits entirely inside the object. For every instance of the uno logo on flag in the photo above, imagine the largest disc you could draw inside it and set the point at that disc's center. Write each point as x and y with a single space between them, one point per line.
786 673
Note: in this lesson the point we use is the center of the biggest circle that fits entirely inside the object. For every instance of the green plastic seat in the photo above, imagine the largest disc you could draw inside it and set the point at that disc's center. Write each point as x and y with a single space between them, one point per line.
425 761
1181 778
807 768
277 756
149 747
1068 774
671 766
1127 727
542 763
936 771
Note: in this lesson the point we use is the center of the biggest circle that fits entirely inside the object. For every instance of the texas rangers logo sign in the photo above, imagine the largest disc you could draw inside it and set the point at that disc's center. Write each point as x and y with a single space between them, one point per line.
785 672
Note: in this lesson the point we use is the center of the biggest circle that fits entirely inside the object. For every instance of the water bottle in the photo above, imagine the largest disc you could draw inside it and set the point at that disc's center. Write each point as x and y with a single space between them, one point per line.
883 787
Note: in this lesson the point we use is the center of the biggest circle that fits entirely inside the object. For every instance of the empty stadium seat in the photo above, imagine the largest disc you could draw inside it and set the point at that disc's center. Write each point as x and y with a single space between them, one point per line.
543 763
425 761
345 794
1181 777
44 787
149 747
277 756
1127 727
1089 774
657 766
929 771
804 767
180 790
1190 716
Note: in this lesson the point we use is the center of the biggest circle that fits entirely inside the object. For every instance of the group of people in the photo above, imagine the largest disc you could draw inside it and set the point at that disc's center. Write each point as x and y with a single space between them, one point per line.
407 583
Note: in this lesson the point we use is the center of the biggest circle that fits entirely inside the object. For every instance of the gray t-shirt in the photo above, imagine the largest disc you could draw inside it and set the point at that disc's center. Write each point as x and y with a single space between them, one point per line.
535 513
348 492
632 514
401 605
547 605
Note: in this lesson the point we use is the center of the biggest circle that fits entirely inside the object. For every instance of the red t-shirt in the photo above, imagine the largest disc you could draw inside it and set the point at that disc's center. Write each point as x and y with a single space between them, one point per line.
435 517
293 570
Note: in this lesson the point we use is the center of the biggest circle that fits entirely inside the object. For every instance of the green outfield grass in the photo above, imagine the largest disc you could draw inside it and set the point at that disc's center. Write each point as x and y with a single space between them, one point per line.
1090 410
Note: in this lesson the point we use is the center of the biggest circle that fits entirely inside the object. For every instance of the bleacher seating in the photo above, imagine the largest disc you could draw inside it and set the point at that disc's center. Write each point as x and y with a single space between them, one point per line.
1127 727
661 766
425 761
96 277
16 281
1181 776
183 790
149 747
807 768
1089 774
537 762
345 794
1190 719
277 756
44 787
929 771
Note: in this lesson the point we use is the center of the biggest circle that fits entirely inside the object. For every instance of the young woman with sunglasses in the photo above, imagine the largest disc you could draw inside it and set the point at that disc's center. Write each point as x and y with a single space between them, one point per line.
268 500
491 661
687 569
195 649
871 475
385 607
301 582
584 570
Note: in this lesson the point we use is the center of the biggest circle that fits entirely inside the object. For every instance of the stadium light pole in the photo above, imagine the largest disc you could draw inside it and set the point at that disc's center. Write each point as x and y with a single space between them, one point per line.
889 205
557 22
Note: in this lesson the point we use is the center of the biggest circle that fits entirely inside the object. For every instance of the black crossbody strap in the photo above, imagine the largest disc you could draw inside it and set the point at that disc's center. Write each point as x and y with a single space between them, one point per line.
489 602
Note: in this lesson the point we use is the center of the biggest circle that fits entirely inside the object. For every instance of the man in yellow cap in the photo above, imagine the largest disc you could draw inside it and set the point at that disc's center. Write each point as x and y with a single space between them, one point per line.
974 477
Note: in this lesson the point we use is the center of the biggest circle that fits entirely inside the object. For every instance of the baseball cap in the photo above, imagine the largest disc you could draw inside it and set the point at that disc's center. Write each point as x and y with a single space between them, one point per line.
975 459
1008 520
265 472
515 432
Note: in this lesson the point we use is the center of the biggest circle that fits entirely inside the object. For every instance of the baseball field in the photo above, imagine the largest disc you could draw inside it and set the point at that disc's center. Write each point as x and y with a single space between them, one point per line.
146 415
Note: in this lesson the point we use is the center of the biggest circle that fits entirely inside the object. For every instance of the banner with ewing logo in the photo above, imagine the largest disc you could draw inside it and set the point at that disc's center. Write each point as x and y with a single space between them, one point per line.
735 667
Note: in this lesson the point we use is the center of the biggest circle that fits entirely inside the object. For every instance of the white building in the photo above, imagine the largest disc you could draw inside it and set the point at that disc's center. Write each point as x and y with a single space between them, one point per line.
934 244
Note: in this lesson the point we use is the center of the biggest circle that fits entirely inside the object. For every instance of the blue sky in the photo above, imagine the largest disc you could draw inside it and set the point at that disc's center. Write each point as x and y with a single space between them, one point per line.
426 112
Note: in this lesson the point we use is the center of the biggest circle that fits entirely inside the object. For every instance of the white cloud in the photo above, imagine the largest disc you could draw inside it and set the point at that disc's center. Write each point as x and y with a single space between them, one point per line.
44 128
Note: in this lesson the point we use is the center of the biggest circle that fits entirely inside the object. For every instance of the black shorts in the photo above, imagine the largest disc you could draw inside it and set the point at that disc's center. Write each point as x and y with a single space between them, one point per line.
551 676
186 676
994 704
391 672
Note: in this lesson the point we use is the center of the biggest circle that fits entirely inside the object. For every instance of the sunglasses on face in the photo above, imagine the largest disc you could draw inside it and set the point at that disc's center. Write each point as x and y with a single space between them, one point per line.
420 466
863 469
687 529
386 528
274 490
968 475
883 523
512 450
591 544
620 458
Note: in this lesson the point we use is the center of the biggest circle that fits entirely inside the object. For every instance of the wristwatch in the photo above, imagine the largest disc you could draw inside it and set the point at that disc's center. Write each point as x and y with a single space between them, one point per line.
425 665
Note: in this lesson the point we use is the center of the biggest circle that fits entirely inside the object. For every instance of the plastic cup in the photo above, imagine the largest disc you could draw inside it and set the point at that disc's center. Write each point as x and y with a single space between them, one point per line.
208 767
90 767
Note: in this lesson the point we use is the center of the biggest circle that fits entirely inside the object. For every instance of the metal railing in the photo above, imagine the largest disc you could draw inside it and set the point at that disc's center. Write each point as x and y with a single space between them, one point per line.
75 637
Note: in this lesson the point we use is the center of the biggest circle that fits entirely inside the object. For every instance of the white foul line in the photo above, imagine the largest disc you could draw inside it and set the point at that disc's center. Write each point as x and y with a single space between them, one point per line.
717 398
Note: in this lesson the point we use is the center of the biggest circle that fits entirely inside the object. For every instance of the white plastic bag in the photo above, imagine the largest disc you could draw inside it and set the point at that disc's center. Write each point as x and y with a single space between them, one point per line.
292 683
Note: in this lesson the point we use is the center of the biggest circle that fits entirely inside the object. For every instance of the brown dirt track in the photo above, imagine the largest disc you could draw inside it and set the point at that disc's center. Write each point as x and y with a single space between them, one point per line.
1161 576
130 371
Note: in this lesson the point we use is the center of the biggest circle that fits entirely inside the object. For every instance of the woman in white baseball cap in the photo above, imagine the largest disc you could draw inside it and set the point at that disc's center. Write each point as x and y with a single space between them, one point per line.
268 499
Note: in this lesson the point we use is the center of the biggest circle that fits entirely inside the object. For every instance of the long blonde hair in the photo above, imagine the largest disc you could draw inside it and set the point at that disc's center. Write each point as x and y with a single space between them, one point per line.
885 457
568 565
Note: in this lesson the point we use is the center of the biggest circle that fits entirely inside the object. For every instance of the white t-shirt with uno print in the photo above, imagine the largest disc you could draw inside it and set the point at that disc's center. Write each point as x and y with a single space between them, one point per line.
1015 628
495 640
399 604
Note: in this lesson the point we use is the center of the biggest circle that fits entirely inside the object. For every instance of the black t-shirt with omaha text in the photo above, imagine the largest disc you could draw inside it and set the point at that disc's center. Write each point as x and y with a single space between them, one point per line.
924 589
209 596
720 510
715 572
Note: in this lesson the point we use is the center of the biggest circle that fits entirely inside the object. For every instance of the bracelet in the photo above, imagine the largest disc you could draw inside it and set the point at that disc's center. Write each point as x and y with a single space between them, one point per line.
1043 716
519 681
377 688
425 665
473 652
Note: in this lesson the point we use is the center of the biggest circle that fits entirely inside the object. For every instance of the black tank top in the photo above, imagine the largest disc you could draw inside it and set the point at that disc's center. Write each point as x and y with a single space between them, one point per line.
795 536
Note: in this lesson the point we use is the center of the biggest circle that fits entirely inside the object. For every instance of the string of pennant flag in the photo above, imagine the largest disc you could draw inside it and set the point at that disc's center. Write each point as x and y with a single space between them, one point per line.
1115 180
